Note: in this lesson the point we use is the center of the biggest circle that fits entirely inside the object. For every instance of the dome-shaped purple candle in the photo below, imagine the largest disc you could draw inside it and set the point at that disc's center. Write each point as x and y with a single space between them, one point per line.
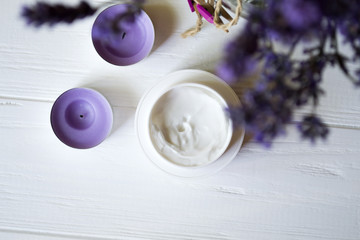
81 118
134 41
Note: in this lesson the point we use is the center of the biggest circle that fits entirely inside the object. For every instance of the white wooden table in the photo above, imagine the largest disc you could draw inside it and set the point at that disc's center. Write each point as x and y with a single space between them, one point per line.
50 191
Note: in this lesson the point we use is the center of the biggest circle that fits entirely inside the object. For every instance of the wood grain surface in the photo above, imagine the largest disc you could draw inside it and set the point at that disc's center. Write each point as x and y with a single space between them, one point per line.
49 191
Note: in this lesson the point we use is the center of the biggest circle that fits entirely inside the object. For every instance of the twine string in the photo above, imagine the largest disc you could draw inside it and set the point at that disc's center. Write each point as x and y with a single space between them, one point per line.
219 11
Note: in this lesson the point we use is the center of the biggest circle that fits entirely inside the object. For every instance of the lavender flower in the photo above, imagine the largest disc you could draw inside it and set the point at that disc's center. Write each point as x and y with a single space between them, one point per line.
267 109
307 79
287 19
241 54
299 14
42 13
311 127
338 9
287 83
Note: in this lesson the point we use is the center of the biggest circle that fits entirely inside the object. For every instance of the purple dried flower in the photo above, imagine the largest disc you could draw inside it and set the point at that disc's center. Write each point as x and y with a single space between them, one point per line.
268 108
338 9
44 13
262 115
286 20
299 14
350 29
287 83
230 71
308 78
241 56
312 128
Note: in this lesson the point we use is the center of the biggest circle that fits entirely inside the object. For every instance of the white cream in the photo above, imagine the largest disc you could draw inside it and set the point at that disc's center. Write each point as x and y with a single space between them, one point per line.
188 125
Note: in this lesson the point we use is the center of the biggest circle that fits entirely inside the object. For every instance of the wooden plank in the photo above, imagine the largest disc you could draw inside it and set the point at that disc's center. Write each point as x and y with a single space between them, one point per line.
49 191
291 191
35 65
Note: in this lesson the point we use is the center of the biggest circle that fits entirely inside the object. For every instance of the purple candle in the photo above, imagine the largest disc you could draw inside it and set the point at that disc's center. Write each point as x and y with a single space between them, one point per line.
132 42
81 118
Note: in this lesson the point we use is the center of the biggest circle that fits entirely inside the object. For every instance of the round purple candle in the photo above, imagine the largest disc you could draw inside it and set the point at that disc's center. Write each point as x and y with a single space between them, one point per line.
131 44
81 118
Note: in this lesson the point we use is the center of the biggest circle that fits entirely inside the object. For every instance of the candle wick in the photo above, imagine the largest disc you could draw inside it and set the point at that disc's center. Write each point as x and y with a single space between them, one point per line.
124 34
81 116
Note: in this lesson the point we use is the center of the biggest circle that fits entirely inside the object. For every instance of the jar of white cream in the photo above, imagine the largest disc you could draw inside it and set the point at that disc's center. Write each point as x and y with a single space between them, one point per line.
183 127
188 125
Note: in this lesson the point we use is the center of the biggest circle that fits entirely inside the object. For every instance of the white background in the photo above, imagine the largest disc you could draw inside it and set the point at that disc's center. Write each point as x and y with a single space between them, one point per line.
50 191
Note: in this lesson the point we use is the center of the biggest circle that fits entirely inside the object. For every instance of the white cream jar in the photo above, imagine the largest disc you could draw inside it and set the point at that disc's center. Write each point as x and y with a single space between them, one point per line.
189 126
182 125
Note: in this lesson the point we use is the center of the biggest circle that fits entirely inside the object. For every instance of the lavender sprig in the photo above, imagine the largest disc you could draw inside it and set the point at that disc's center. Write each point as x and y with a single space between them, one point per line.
287 83
109 30
43 13
312 128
